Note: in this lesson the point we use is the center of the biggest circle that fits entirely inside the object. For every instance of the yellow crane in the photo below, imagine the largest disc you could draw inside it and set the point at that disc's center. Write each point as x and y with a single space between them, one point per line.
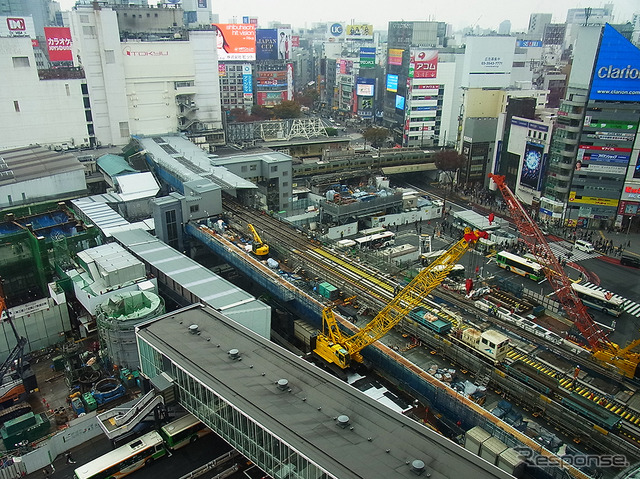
336 349
260 249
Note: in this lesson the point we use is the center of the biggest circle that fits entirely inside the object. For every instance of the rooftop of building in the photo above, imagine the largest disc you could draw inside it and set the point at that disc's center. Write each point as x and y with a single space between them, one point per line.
35 162
377 442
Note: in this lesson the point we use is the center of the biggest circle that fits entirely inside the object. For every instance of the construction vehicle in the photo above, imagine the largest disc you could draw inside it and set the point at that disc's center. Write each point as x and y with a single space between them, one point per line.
338 351
260 249
602 348
16 376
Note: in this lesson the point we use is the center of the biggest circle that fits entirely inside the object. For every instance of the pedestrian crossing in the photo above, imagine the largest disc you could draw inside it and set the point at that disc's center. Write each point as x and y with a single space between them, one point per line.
561 248
628 306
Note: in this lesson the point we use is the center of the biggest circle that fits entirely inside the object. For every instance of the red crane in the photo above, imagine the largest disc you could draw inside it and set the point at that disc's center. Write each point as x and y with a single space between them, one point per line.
601 346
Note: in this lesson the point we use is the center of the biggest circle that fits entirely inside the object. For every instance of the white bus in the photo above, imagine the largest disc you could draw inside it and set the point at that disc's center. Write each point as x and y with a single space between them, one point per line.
376 241
372 231
124 460
519 265
601 300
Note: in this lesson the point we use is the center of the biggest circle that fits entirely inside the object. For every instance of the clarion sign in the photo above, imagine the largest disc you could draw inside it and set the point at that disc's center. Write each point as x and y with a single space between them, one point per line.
612 72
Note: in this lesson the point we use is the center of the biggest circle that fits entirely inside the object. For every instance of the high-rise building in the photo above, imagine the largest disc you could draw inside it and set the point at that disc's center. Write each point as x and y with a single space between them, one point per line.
592 178
537 24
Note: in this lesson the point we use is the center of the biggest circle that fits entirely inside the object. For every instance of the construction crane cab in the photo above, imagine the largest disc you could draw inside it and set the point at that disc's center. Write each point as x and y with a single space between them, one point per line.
338 351
260 249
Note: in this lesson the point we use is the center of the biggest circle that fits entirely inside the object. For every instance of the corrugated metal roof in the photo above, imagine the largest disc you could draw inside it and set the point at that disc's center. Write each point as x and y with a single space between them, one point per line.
114 165
203 284
29 163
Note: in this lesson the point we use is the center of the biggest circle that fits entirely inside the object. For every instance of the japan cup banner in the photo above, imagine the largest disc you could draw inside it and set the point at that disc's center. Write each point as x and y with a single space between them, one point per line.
59 44
424 63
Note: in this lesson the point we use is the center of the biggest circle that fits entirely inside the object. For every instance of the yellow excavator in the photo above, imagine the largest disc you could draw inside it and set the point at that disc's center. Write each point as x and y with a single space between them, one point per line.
338 351
260 249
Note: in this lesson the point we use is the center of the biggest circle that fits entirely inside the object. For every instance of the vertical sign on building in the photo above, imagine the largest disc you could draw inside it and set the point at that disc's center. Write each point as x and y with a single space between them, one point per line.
367 57
247 81
290 81
59 44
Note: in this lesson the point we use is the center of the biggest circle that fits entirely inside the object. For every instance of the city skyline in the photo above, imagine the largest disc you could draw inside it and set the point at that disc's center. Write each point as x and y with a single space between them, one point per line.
459 13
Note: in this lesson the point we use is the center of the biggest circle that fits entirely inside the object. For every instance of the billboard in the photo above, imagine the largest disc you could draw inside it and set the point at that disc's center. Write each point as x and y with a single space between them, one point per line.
529 43
636 171
284 43
399 102
290 81
395 56
17 27
236 41
367 57
574 197
247 81
359 32
295 41
423 64
365 86
392 82
335 32
532 165
617 73
59 44
267 44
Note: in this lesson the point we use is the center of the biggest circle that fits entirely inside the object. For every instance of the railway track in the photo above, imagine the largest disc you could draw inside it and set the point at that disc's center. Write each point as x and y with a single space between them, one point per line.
377 289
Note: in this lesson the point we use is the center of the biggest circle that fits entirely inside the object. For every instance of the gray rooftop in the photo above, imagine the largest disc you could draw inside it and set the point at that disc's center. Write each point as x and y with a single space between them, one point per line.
188 162
197 281
380 444
32 162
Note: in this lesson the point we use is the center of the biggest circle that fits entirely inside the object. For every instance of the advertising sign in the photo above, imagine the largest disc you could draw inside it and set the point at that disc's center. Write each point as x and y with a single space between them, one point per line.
423 64
247 81
532 165
359 32
395 56
59 44
591 200
399 102
365 86
392 82
284 43
617 73
236 41
222 70
636 171
335 32
202 3
295 41
17 27
290 81
266 44
367 57
529 43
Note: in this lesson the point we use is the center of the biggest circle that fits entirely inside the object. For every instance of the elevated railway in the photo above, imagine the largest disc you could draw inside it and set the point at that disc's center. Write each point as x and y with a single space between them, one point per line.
374 289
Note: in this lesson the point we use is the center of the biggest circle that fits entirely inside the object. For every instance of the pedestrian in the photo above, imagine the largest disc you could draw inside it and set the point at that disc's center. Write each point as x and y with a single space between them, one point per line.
45 472
69 458
629 244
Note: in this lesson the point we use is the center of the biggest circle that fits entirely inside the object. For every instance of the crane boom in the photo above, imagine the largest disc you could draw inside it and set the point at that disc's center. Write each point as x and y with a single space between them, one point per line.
335 348
602 347
258 247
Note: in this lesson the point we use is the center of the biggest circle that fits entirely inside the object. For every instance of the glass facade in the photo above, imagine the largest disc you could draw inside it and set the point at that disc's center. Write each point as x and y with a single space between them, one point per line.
266 450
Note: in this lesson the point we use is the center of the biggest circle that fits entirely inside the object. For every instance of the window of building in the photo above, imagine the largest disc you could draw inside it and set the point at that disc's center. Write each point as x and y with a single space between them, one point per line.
16 106
274 168
285 183
66 87
84 88
109 56
285 173
194 208
87 102
124 129
20 62
90 129
89 31
252 167
88 117
244 168
84 18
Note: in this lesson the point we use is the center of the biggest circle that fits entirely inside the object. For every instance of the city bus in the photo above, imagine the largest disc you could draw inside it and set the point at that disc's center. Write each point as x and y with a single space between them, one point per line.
601 300
124 460
378 240
519 265
372 231
183 431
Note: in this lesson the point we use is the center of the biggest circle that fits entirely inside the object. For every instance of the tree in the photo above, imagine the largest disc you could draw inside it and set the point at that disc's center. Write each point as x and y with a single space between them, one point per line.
376 136
449 162
287 109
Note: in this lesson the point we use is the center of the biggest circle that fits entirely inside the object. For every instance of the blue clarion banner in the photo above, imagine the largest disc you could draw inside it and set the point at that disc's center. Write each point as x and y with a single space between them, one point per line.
266 44
617 73
392 82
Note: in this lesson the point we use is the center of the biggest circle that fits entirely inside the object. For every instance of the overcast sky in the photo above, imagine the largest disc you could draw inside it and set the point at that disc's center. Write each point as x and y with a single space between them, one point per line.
460 13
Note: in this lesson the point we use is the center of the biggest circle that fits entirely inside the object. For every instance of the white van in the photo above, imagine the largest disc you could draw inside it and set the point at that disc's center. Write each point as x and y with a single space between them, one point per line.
584 246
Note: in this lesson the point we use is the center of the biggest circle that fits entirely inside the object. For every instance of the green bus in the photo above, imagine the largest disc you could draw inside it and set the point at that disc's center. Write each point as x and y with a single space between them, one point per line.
124 460
519 265
182 431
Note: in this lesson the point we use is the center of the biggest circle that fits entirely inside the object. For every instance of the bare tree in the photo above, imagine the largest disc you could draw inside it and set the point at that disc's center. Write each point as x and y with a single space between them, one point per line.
449 162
